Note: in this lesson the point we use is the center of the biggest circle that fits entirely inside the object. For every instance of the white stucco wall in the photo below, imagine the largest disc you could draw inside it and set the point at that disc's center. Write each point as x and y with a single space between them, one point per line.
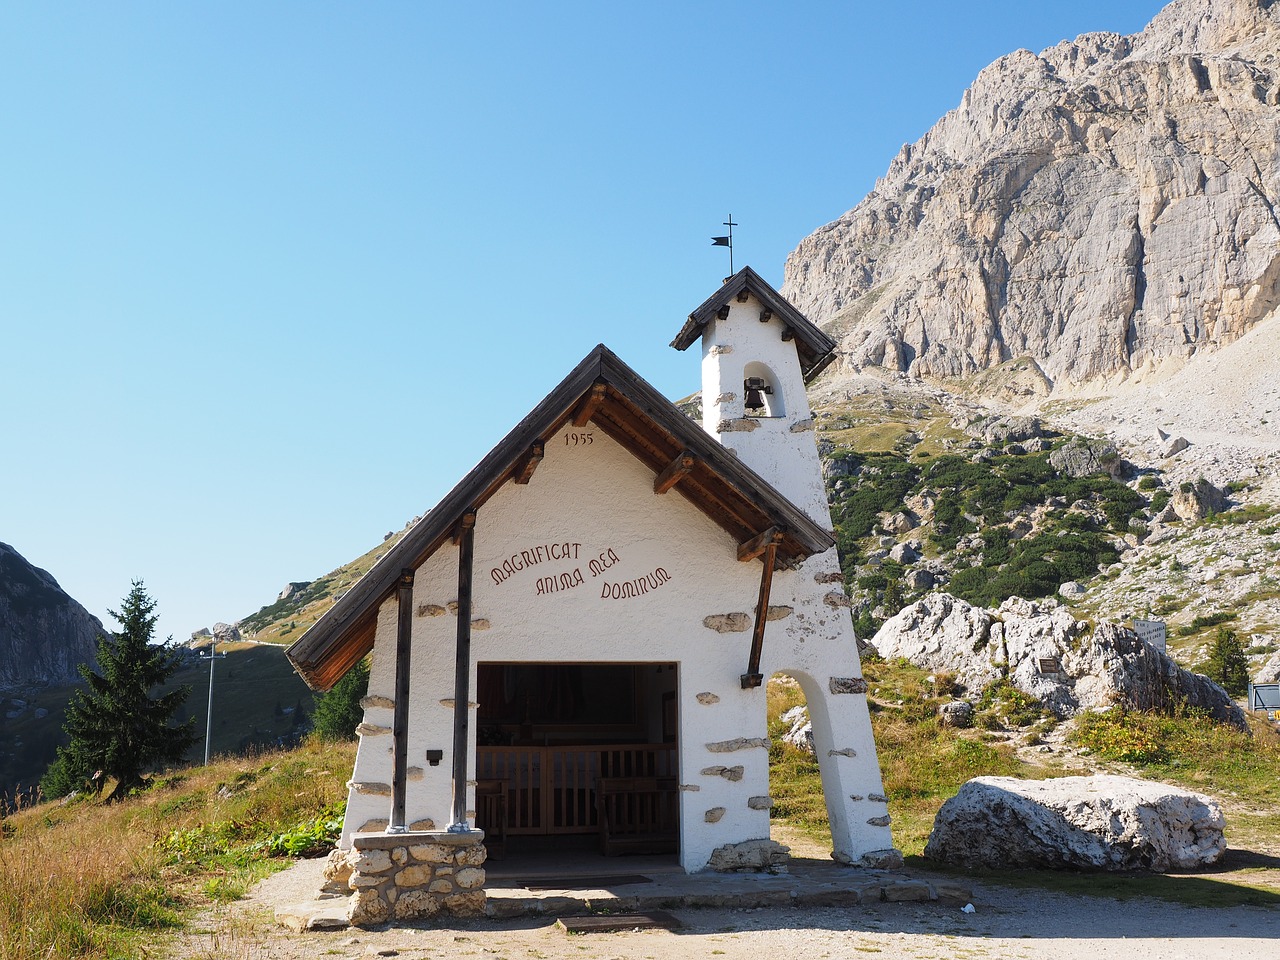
597 498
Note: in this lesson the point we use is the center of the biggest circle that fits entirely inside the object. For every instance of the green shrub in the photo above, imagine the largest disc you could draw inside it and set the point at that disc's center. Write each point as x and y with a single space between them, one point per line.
1206 620
1011 705
313 838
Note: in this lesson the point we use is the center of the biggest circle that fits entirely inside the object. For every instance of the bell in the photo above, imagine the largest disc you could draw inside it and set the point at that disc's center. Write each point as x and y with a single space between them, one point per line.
755 389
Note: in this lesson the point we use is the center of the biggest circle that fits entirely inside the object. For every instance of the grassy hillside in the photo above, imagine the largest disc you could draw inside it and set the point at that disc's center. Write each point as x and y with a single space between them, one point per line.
284 621
258 701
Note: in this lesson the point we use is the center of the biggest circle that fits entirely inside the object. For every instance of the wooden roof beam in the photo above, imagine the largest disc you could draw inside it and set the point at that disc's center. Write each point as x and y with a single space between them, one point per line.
676 470
761 542
529 463
589 405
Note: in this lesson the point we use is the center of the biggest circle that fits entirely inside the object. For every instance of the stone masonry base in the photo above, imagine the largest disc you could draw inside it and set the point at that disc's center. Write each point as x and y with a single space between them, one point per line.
411 876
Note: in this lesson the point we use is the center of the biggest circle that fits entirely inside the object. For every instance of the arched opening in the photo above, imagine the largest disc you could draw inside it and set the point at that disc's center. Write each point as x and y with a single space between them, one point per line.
799 817
762 394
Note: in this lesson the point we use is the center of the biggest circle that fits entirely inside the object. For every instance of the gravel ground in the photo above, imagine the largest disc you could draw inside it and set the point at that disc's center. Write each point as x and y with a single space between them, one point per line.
1005 923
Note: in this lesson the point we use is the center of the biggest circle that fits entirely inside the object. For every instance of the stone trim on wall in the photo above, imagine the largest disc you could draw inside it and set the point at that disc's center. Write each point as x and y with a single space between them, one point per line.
411 876
738 743
840 685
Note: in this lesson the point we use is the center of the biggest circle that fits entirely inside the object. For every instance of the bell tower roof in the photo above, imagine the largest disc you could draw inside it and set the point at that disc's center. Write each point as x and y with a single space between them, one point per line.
814 347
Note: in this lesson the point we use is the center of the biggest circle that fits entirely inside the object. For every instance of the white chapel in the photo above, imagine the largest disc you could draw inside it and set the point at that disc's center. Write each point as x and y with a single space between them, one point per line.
576 639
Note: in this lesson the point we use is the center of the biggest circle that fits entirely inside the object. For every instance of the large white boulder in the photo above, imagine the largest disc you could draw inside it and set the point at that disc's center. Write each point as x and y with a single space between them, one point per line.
1078 823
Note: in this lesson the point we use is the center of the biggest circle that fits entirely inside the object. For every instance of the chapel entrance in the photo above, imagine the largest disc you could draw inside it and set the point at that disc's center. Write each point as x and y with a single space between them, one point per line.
578 748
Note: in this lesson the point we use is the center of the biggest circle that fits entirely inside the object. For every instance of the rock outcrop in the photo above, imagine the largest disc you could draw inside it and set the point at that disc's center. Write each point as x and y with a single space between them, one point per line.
1078 823
1097 210
1047 653
44 634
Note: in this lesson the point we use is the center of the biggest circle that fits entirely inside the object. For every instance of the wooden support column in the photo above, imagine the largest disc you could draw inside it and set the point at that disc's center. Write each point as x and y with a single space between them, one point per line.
400 718
753 677
674 472
462 674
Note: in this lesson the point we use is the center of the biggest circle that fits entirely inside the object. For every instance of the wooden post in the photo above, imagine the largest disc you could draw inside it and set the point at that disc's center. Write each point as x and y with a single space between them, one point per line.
462 674
400 719
753 677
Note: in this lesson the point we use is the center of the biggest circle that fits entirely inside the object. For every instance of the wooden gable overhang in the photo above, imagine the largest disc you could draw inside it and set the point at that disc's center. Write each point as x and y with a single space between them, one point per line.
604 390
815 349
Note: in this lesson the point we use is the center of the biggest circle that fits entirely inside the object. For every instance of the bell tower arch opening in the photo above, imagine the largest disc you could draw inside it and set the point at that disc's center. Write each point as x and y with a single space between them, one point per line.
762 394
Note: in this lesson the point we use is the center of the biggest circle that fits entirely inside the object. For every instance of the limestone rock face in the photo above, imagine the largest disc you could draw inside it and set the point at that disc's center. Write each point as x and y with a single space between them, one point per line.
1080 823
44 634
942 633
799 729
1046 652
1199 500
1102 208
1269 672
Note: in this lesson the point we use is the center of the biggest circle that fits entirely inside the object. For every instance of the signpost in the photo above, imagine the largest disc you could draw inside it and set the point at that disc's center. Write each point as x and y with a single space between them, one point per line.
1151 632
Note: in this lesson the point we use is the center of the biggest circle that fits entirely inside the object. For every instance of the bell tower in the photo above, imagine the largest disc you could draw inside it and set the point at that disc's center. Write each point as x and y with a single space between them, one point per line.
758 353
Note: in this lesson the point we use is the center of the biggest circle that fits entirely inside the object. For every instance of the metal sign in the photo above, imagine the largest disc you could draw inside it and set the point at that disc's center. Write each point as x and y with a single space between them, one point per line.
1264 696
1151 632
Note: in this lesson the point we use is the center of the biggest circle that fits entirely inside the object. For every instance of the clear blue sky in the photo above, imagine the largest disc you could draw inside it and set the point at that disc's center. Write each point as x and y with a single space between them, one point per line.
273 277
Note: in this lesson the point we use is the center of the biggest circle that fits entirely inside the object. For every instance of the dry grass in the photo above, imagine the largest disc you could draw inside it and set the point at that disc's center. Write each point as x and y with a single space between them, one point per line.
91 880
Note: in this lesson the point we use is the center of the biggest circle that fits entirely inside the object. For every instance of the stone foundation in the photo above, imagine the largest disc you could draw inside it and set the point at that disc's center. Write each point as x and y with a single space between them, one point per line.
411 876
750 856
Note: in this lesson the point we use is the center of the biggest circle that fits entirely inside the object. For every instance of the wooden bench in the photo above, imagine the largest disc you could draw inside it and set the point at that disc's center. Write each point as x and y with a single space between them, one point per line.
637 815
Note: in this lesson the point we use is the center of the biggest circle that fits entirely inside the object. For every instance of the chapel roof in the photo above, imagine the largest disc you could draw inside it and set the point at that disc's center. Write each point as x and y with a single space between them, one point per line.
815 348
623 405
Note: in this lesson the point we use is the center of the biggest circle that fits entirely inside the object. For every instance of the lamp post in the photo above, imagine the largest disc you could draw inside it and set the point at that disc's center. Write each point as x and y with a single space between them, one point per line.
209 718
208 723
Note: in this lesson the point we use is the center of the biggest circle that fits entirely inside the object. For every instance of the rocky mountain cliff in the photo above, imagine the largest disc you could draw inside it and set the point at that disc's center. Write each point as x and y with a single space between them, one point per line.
1106 208
44 634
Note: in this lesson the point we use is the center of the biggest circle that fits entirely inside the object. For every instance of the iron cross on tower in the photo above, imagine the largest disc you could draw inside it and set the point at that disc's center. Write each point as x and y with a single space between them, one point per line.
726 241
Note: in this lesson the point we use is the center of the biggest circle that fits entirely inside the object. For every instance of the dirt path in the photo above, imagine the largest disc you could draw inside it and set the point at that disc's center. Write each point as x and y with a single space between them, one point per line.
1006 923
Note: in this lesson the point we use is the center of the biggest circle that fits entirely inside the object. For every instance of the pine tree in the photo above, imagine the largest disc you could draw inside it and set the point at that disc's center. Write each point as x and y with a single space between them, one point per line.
116 728
1227 663
338 712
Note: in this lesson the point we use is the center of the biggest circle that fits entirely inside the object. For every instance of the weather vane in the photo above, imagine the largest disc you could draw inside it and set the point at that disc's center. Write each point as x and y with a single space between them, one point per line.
727 241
